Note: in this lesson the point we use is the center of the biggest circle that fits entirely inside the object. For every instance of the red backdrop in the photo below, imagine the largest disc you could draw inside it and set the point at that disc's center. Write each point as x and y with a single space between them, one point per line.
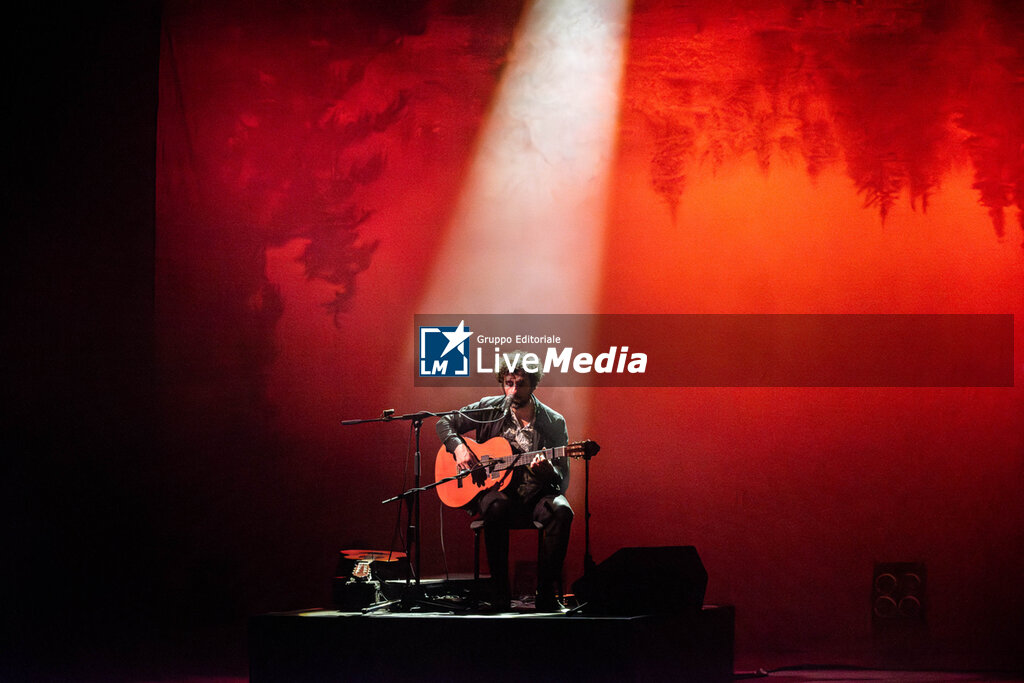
785 157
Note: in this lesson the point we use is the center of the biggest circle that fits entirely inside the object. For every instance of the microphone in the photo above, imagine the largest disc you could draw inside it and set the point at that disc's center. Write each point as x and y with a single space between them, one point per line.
507 403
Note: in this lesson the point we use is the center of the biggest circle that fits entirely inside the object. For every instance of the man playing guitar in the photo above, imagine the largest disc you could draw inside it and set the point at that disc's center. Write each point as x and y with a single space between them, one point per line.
536 491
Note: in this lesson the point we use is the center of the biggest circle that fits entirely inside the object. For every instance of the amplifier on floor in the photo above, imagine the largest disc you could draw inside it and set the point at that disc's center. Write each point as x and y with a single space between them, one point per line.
636 581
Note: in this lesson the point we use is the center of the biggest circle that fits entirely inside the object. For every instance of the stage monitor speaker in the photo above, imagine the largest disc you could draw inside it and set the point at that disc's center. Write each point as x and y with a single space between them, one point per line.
637 581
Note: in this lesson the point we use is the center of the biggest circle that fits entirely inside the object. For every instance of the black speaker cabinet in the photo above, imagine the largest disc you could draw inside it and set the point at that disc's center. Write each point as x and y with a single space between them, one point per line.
637 581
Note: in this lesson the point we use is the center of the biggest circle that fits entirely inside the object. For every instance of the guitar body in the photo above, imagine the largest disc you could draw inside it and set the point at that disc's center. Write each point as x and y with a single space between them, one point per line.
460 493
495 469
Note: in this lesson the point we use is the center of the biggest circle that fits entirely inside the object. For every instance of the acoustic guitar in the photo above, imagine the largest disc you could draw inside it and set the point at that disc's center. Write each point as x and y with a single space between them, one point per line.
457 489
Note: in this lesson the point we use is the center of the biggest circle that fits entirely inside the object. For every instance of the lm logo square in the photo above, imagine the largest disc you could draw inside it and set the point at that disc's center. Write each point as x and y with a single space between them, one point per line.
444 351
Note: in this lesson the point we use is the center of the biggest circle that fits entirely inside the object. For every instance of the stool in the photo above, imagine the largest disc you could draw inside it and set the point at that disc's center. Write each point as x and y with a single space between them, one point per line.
477 525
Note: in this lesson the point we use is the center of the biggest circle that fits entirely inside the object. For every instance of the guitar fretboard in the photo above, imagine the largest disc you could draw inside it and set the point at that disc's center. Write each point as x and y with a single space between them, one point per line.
501 464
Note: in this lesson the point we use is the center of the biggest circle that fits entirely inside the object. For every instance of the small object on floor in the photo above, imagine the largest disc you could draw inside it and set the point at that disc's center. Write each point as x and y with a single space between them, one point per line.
496 608
549 603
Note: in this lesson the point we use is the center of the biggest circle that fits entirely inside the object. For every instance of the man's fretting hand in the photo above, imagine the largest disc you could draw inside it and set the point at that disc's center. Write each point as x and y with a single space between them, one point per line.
542 468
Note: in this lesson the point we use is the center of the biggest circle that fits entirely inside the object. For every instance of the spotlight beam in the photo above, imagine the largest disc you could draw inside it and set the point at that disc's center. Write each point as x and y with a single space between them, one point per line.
528 230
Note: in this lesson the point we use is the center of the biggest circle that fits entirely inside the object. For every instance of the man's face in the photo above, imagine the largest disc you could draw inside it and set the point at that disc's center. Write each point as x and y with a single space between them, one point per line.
518 387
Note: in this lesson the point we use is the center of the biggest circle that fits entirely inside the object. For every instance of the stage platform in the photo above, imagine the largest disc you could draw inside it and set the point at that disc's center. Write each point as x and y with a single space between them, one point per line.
328 645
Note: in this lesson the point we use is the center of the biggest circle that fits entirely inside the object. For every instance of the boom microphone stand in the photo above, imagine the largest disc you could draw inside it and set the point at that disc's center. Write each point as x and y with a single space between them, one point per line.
413 594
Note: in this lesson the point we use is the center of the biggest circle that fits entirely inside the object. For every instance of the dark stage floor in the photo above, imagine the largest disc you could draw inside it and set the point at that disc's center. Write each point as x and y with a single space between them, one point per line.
326 645
220 654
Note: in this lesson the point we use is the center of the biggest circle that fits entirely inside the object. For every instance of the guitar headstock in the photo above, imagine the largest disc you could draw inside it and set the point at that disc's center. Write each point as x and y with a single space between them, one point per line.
582 449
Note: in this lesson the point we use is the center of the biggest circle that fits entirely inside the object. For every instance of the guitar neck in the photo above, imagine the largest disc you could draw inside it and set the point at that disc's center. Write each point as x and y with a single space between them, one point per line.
517 459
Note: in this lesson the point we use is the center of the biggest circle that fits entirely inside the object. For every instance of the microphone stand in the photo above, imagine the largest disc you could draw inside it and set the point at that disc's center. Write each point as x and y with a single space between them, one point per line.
588 559
413 595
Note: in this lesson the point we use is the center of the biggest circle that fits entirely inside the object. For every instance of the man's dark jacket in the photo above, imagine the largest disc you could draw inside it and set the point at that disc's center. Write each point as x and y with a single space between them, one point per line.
549 425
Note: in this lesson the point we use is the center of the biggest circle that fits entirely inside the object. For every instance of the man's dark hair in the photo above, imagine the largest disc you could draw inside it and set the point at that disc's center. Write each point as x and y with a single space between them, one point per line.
504 368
